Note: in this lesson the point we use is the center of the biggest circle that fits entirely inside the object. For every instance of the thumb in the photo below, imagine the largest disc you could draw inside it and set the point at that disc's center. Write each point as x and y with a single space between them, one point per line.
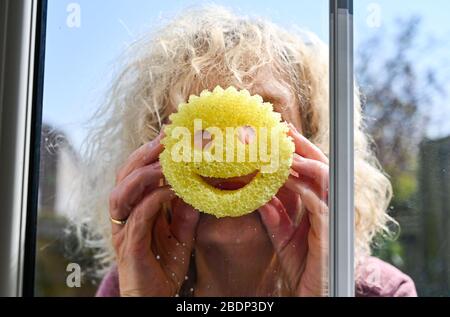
277 222
184 222
179 241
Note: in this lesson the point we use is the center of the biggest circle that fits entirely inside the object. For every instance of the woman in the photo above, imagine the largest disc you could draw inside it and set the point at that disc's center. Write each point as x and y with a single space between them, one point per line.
280 249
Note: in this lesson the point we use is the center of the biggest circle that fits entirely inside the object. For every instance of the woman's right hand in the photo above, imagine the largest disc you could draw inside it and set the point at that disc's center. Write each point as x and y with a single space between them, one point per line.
152 254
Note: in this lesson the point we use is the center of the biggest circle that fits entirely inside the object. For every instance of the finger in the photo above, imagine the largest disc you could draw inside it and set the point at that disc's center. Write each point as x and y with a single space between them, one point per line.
290 242
317 212
141 221
306 148
128 192
162 246
146 154
184 222
300 221
278 224
291 202
296 185
316 170
302 230
178 240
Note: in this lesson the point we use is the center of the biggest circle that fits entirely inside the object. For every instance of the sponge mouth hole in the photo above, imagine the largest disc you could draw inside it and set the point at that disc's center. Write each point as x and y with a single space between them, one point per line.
230 184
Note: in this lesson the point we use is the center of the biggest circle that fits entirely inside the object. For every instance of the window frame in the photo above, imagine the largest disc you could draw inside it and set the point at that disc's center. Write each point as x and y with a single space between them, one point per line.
22 35
22 54
341 191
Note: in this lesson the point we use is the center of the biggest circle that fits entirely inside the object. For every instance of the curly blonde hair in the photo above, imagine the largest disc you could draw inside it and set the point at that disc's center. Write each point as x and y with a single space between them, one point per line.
190 53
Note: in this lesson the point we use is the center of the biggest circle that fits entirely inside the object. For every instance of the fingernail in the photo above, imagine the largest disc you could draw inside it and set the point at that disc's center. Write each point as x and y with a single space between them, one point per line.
155 141
299 158
293 173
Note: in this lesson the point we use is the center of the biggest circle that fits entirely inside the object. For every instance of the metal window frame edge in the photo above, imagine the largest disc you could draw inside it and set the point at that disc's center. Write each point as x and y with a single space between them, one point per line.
341 192
21 51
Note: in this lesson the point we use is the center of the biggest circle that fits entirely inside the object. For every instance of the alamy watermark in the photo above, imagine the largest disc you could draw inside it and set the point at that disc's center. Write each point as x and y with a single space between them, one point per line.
234 144
73 279
73 19
373 19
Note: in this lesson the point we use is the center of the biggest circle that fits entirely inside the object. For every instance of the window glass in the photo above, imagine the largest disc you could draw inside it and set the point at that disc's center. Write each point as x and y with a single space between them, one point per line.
401 66
114 72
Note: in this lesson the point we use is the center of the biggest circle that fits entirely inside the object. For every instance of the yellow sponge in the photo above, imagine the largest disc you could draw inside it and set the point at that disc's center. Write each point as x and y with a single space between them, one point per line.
220 117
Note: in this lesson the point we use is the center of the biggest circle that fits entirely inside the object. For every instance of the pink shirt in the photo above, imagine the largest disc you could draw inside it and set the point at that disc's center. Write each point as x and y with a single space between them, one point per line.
377 279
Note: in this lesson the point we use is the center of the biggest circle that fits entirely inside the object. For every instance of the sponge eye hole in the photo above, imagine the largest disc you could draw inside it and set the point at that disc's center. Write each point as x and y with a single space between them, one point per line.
203 140
246 134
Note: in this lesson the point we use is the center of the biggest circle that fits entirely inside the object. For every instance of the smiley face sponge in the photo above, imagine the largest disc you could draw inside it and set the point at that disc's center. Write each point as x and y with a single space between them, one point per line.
220 115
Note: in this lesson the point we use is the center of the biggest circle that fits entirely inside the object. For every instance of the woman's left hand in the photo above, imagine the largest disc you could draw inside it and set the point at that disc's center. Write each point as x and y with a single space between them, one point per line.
302 249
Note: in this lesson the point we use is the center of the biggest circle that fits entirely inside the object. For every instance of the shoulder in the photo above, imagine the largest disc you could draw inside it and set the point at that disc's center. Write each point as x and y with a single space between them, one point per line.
109 286
380 279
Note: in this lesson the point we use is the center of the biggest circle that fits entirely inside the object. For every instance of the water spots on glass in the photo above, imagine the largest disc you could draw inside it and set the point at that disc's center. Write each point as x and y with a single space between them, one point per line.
54 140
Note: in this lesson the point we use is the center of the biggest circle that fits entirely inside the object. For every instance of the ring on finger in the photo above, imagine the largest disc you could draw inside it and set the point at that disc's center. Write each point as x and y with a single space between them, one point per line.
118 222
